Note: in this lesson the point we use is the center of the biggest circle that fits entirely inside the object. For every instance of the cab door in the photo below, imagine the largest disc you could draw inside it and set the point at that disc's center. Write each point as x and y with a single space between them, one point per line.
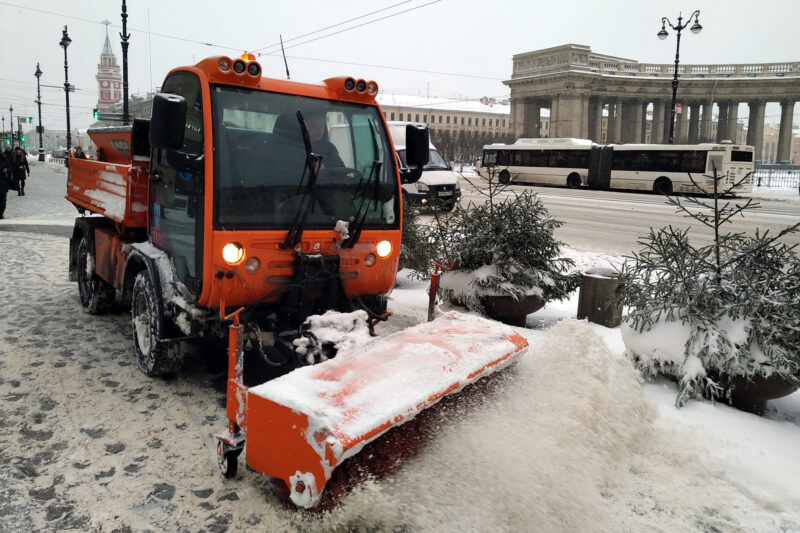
176 188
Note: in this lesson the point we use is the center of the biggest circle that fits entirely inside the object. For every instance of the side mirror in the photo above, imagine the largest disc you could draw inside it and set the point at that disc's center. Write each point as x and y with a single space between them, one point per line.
417 152
417 145
168 121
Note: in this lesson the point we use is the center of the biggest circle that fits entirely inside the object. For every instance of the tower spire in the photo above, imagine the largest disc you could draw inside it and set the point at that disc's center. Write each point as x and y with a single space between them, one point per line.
107 46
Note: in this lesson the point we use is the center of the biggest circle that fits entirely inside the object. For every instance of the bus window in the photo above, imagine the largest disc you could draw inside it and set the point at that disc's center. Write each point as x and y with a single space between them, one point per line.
489 158
539 158
741 156
694 161
714 162
558 158
520 158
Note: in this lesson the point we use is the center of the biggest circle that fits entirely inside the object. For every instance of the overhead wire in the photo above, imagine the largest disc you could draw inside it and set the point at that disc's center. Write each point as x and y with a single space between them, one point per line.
363 24
331 26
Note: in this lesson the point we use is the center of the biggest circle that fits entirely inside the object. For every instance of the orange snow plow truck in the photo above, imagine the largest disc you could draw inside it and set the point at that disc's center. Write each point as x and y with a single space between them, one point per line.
260 209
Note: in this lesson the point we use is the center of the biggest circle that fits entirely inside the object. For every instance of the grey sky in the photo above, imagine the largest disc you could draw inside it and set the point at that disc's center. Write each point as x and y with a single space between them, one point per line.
467 37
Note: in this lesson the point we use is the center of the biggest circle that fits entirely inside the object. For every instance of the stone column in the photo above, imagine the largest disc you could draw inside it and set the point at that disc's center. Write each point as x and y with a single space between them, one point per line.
642 122
595 119
755 126
517 116
682 124
657 129
572 116
632 122
733 122
630 118
707 122
531 121
694 122
722 121
785 132
667 119
614 121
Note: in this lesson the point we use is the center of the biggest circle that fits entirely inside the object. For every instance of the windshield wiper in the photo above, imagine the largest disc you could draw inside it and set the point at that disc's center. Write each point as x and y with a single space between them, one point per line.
374 173
295 234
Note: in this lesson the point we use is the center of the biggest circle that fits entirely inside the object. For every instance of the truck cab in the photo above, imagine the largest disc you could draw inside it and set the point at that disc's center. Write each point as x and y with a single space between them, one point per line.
438 186
236 195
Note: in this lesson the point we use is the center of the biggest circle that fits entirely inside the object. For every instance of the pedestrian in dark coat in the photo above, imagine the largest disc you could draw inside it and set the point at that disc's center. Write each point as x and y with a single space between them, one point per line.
21 170
5 179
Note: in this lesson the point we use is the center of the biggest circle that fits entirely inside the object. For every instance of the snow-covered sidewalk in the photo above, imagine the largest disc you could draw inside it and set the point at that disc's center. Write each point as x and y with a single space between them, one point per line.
567 440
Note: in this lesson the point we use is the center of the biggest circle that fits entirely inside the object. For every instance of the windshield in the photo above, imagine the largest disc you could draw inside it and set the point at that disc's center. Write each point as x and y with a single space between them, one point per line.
435 161
260 160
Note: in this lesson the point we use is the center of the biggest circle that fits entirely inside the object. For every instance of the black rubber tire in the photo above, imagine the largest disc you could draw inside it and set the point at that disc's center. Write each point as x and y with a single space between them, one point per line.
448 207
574 181
228 461
154 357
504 177
96 295
662 186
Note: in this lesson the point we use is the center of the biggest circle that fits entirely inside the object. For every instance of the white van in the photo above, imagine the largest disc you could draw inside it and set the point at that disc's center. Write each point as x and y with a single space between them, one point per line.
438 181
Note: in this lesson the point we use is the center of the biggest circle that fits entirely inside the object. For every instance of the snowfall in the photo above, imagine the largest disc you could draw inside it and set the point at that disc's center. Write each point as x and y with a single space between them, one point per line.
569 439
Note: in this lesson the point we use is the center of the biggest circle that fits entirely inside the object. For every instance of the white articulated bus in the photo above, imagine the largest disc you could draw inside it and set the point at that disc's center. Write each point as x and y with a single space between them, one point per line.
541 161
662 168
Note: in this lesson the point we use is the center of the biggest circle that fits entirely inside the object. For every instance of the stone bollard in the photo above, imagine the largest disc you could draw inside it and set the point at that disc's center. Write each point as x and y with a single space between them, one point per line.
596 299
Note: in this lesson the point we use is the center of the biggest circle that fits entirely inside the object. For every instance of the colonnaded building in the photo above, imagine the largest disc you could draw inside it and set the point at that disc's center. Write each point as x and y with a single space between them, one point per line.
579 87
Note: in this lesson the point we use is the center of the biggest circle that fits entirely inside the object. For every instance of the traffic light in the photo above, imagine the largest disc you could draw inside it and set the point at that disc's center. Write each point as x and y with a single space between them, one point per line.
30 120
96 114
23 138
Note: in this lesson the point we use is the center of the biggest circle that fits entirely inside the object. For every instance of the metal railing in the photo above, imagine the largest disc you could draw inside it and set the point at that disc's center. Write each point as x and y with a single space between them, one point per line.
783 176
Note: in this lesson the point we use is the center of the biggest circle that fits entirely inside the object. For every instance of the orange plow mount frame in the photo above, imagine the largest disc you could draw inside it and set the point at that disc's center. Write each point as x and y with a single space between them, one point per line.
301 426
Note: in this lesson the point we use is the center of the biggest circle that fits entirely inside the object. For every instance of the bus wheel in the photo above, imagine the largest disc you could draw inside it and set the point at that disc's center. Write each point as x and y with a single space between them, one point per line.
662 186
505 177
154 356
95 294
574 181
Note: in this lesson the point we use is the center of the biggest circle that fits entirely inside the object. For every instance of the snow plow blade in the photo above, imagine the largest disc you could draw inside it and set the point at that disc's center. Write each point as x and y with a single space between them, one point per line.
303 425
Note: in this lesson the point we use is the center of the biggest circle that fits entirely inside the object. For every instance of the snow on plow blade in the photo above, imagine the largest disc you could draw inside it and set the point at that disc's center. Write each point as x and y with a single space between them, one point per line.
301 426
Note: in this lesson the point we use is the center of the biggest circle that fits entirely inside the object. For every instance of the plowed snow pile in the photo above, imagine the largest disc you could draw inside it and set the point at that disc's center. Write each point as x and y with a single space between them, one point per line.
536 451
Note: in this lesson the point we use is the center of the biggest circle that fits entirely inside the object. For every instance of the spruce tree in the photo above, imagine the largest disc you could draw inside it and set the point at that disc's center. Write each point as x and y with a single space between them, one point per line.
739 295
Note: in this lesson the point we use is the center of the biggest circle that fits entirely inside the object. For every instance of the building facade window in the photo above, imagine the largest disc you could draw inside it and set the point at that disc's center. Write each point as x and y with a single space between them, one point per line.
392 116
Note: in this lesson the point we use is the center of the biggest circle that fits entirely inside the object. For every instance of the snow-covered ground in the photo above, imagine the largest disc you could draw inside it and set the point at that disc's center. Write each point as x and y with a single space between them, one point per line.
567 440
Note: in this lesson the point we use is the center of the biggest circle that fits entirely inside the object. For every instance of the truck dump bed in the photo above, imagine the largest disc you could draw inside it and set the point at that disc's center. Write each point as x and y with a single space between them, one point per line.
116 185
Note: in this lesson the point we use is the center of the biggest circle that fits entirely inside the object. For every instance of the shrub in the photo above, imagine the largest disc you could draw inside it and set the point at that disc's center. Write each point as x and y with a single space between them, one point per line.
504 248
737 301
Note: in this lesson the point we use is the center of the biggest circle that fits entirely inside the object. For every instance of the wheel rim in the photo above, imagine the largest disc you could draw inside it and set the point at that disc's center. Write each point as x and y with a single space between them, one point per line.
222 458
141 323
85 287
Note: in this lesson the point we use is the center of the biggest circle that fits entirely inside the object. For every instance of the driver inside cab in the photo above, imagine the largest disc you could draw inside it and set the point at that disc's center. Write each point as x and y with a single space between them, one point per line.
317 126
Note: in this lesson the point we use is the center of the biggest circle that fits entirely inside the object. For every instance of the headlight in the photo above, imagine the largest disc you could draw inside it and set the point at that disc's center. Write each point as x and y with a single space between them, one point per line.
232 253
384 249
421 187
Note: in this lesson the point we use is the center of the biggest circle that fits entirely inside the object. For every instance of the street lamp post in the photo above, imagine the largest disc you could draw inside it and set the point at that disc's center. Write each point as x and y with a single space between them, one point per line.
125 36
38 75
65 40
696 27
11 123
